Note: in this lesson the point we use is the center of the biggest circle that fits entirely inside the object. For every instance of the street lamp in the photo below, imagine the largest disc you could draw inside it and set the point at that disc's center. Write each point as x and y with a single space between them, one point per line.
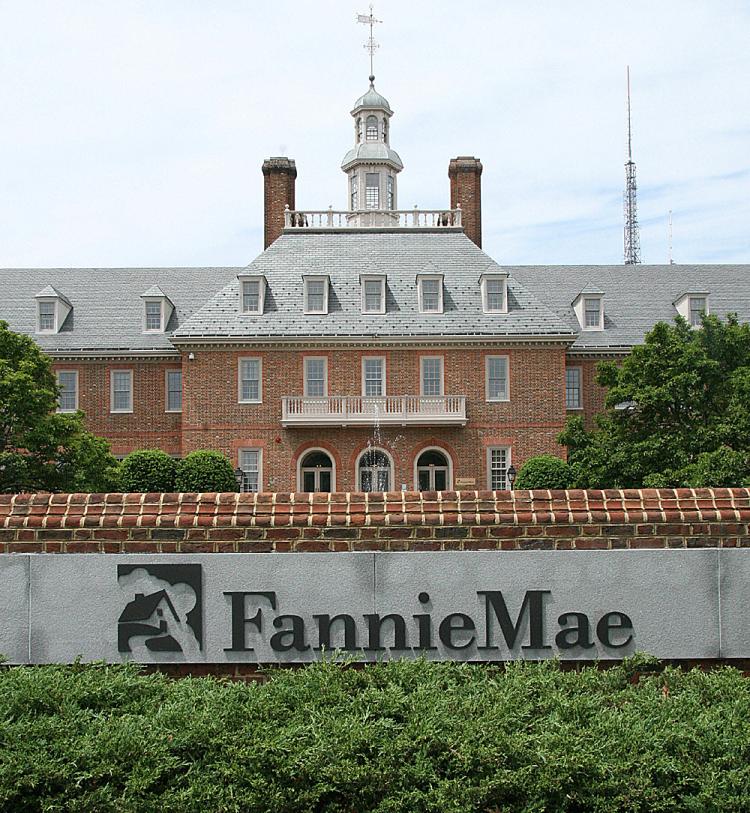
511 474
239 476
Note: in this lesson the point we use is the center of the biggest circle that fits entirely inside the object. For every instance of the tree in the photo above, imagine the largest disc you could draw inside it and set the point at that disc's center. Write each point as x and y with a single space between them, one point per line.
40 449
544 471
204 470
148 470
676 412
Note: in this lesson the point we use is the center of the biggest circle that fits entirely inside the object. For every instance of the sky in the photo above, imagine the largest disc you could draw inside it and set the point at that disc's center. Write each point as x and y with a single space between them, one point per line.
132 132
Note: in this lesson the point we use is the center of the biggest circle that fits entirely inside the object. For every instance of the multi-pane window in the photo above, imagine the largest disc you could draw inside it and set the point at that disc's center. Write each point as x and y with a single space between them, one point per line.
573 388
121 393
174 390
497 468
153 316
697 309
592 313
67 400
315 376
371 128
432 375
249 463
251 296
373 377
373 295
372 190
431 295
494 295
354 193
497 378
46 316
249 381
316 298
390 192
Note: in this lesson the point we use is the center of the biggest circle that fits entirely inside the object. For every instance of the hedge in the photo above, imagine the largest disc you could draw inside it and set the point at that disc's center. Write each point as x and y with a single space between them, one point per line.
544 471
147 470
405 737
205 470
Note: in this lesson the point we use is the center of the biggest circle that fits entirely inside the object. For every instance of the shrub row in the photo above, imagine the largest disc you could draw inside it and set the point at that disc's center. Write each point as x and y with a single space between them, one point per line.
403 736
154 470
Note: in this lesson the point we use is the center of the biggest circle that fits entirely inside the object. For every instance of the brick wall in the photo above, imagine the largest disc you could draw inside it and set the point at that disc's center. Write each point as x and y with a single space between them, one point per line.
465 174
592 395
279 176
397 521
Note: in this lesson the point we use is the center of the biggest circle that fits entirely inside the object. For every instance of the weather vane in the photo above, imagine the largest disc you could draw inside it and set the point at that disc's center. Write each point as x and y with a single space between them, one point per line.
370 45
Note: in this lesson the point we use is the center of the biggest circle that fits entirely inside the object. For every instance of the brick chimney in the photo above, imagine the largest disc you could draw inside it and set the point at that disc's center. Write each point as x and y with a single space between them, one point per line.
465 173
278 191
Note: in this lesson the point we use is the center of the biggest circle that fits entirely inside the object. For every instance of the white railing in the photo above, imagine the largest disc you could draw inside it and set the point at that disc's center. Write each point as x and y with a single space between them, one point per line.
373 219
352 410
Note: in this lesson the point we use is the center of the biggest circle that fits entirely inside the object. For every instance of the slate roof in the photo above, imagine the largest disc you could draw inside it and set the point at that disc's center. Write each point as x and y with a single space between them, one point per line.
398 254
635 297
107 310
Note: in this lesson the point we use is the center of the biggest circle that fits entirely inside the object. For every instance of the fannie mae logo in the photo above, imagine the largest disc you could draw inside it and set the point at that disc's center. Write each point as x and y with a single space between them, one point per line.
164 609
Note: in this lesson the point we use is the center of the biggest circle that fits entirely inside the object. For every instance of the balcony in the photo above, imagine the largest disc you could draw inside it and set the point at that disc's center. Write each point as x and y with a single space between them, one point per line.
388 410
401 219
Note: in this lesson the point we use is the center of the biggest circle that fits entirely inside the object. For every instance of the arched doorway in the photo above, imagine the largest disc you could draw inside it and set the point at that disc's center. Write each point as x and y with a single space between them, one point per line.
374 471
316 472
433 471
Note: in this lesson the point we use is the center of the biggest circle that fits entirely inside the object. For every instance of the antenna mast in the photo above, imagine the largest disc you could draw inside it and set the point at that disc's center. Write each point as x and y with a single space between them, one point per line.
632 239
671 261
370 45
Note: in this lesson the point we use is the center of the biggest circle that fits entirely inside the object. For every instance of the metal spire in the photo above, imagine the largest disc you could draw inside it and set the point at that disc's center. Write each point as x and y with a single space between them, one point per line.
632 239
671 261
370 45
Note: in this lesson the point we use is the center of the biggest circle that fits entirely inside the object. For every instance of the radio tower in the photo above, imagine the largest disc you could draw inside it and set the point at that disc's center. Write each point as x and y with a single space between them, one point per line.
632 239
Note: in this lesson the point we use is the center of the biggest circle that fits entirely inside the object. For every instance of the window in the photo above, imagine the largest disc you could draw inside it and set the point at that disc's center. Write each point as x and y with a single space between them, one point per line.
373 294
250 381
152 316
67 381
372 190
316 376
432 375
358 129
316 473
316 295
174 390
251 296
697 308
573 388
121 391
391 193
385 130
433 471
371 128
497 378
494 294
592 313
373 377
47 317
430 294
355 193
498 462
250 464
374 471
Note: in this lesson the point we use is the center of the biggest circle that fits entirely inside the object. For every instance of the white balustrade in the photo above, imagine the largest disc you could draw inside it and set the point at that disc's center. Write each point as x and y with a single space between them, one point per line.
359 410
373 219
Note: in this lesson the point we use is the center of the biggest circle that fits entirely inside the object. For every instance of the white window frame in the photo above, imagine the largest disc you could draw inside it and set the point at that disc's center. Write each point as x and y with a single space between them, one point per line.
259 450
301 459
377 188
261 282
47 301
703 310
432 277
449 460
326 284
112 392
600 324
305 359
381 359
488 395
363 280
508 463
166 389
151 300
485 294
580 388
240 399
388 457
422 360
58 373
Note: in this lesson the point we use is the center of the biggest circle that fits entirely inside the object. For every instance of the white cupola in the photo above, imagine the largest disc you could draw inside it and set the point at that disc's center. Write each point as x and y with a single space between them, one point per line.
371 165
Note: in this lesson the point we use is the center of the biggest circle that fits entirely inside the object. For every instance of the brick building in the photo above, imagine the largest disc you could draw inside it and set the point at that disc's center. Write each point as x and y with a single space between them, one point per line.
367 349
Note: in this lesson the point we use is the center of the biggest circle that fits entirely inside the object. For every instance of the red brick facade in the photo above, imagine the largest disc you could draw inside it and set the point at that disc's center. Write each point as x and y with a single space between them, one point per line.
465 175
279 176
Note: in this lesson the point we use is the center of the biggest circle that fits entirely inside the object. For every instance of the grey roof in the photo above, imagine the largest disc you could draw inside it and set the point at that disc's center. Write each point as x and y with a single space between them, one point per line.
107 310
154 291
344 256
372 100
635 297
374 152
48 292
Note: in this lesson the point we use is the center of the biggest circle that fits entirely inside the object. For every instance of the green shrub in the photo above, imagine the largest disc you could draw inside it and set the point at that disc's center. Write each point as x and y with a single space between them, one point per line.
147 470
394 738
544 471
205 471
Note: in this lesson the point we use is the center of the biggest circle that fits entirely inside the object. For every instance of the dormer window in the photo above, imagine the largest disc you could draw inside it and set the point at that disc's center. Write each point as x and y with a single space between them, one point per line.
589 309
371 128
692 306
52 310
430 291
494 293
316 294
373 293
252 293
157 310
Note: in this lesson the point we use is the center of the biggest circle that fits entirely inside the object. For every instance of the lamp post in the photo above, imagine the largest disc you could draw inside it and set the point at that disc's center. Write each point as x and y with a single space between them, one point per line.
239 476
511 474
